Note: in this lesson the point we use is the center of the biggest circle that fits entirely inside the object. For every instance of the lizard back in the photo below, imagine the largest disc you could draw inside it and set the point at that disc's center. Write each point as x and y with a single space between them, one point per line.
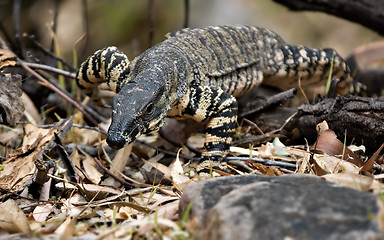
238 58
229 57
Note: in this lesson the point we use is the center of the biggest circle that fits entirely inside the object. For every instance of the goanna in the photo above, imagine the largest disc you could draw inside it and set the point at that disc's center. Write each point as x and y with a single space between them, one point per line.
198 74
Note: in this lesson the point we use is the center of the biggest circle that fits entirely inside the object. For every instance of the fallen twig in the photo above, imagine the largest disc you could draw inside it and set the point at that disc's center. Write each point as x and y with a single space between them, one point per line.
266 162
46 68
261 104
58 91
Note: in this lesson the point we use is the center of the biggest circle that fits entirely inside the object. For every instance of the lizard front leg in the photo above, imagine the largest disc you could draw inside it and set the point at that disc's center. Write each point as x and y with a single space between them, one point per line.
219 110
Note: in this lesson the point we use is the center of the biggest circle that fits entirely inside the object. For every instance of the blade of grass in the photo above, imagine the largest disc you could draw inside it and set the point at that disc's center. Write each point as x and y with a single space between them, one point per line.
186 214
330 74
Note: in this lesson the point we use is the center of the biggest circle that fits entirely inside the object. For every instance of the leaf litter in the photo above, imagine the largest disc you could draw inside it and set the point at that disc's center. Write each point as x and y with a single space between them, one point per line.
101 207
134 192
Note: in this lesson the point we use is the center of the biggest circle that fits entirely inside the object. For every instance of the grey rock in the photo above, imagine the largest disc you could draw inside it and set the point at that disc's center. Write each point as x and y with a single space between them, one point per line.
296 206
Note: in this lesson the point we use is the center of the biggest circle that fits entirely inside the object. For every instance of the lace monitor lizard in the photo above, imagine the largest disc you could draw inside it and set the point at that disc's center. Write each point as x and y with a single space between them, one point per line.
198 73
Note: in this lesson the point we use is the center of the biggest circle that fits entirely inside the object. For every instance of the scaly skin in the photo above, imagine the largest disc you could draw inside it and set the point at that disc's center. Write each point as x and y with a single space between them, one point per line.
197 74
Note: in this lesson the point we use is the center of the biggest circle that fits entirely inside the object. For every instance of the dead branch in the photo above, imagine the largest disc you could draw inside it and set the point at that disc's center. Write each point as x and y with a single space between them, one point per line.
253 106
369 13
58 91
361 117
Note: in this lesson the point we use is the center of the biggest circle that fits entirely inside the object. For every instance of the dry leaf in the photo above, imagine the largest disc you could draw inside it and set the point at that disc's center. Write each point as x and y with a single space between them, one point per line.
321 127
266 170
20 167
91 170
352 180
304 163
367 54
7 58
90 189
40 213
12 218
75 159
177 171
368 166
168 211
124 213
330 164
12 134
160 167
31 112
196 141
328 143
121 159
266 151
67 228
86 136
357 149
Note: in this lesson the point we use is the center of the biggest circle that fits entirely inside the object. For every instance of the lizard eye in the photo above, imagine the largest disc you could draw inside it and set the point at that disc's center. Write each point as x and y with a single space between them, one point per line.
149 109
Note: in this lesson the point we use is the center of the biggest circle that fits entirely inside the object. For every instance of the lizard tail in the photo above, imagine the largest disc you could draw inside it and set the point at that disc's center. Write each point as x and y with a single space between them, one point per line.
312 66
108 65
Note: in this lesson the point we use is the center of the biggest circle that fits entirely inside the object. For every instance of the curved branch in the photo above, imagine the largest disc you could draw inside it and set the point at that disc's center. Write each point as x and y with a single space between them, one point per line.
369 13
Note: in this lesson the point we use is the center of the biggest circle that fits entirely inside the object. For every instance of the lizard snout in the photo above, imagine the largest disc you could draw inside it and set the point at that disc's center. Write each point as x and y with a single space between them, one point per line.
115 141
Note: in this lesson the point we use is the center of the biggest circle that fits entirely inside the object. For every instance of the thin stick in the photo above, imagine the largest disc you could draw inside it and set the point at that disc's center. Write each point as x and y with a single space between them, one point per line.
46 68
16 25
186 14
106 170
58 91
73 125
48 53
54 22
7 37
151 17
86 25
302 90
268 102
254 125
88 109
263 161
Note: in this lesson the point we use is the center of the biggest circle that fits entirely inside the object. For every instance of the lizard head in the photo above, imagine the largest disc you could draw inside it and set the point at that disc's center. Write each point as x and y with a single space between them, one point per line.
137 109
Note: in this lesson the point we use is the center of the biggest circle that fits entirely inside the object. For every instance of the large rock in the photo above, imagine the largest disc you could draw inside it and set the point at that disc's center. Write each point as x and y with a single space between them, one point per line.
296 206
